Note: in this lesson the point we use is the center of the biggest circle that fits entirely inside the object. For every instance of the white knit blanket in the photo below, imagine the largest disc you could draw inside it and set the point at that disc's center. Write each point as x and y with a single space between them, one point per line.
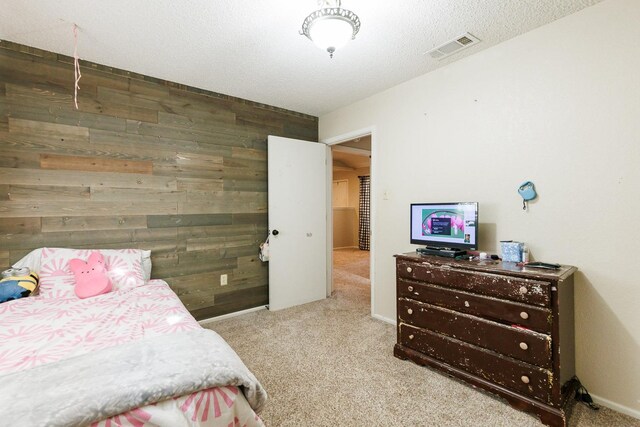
80 390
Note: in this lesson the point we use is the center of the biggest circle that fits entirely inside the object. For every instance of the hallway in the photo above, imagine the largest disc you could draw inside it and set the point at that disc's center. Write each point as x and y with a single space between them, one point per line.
351 267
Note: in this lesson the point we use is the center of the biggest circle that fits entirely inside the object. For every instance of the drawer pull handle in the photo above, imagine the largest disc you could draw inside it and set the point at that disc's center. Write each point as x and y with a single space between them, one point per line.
525 379
409 269
523 290
410 288
409 311
524 315
466 304
524 346
410 337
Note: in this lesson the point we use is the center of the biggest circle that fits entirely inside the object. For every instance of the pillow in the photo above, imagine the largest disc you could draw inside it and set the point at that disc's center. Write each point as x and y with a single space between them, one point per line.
56 279
146 265
31 260
123 267
91 276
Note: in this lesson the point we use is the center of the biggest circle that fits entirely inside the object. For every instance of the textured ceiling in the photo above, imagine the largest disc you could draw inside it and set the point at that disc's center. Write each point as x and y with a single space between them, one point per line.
251 49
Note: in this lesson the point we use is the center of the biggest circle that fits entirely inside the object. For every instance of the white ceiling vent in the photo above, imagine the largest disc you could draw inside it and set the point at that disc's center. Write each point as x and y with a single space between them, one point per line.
453 46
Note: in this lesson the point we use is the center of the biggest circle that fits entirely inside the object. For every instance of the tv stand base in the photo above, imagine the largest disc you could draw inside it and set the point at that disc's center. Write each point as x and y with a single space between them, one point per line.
443 252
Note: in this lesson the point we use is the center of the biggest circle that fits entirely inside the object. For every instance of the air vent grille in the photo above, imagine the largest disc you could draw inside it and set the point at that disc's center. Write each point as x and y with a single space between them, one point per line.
453 46
464 40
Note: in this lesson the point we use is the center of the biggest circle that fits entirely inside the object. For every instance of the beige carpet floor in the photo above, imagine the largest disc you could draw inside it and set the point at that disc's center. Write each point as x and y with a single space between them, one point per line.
329 363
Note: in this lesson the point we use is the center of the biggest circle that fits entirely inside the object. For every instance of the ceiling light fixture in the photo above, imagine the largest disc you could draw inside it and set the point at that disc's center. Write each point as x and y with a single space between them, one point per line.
331 26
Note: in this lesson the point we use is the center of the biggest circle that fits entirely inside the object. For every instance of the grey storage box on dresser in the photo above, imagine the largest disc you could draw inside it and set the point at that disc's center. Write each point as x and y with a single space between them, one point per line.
497 326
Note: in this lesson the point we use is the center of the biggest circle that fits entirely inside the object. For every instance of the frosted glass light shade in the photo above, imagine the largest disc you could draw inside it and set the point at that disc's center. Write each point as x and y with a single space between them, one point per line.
331 33
330 28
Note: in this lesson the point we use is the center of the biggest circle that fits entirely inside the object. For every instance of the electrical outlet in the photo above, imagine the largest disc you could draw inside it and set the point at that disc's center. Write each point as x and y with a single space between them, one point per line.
223 279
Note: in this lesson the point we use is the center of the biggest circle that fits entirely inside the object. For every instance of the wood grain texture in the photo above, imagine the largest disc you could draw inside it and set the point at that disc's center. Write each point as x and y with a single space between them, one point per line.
143 163
19 226
94 238
81 223
156 221
51 130
24 176
233 301
35 94
44 208
47 192
116 195
5 259
93 164
19 159
118 110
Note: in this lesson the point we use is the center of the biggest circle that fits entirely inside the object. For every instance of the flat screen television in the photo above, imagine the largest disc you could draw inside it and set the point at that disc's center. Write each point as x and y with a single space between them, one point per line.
445 225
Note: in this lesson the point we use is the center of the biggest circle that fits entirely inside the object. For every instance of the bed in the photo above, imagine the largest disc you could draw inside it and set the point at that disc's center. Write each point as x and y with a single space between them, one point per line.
131 347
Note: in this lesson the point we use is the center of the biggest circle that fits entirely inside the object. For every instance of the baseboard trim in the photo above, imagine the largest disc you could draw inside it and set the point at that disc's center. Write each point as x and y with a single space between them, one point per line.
230 315
616 406
384 319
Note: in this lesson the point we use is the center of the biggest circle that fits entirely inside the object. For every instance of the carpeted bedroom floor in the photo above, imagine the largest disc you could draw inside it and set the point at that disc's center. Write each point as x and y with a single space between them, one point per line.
329 363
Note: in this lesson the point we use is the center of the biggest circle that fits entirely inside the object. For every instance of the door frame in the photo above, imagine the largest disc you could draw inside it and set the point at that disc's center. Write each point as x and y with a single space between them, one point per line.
371 130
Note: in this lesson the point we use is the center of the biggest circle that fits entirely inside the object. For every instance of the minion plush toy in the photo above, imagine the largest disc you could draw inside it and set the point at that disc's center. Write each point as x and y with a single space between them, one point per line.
17 283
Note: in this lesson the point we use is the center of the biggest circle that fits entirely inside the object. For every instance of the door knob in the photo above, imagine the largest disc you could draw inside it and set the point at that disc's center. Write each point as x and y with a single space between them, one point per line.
275 232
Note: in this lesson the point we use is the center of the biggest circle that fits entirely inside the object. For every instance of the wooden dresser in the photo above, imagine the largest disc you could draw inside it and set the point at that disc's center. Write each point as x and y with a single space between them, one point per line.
506 329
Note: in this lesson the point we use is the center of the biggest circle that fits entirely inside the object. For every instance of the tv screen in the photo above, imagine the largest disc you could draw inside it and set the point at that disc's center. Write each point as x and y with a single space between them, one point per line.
445 225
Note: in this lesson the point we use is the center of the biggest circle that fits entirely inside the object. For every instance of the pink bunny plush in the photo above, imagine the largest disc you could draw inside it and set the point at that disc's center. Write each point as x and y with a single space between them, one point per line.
91 276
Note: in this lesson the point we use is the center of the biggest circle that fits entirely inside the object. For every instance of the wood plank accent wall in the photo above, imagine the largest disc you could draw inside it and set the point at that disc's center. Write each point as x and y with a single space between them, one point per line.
142 163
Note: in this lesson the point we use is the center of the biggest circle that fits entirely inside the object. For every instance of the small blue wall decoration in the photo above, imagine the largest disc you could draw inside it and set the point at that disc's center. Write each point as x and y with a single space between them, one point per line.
528 192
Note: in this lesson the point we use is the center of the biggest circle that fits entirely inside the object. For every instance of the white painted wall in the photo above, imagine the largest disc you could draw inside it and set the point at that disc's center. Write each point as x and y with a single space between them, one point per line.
560 106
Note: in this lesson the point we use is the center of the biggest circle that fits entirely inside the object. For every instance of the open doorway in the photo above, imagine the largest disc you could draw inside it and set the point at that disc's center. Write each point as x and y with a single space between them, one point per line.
351 213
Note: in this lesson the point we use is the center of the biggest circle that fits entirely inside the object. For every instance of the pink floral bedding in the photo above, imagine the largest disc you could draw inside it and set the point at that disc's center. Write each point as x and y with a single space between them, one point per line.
38 330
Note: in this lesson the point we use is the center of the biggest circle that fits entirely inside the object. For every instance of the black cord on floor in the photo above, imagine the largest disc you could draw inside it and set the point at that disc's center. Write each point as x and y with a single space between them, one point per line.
583 396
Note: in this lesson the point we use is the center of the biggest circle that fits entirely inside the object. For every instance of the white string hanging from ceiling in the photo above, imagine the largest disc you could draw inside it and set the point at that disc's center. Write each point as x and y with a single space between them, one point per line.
76 66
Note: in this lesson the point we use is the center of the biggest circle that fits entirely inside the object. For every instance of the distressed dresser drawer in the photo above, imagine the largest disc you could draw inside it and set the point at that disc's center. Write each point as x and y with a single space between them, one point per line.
528 346
512 288
532 317
518 376
501 327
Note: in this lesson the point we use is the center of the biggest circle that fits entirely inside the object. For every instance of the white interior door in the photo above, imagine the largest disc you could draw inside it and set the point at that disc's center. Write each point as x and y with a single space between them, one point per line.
298 222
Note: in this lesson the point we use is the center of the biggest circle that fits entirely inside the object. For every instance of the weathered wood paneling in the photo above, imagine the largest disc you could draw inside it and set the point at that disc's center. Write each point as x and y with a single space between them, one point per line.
93 164
47 192
5 257
44 208
24 176
17 226
80 223
236 300
50 130
155 221
142 163
19 159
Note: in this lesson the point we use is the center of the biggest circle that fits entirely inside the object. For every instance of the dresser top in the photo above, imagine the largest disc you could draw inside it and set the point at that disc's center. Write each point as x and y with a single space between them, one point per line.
492 266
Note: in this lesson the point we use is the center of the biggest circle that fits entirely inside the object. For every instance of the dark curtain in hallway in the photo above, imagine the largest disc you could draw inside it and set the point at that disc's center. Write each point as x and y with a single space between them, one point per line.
365 197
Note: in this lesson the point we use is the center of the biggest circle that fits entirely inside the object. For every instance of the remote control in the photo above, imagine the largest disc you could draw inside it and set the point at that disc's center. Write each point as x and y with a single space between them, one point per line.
547 265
